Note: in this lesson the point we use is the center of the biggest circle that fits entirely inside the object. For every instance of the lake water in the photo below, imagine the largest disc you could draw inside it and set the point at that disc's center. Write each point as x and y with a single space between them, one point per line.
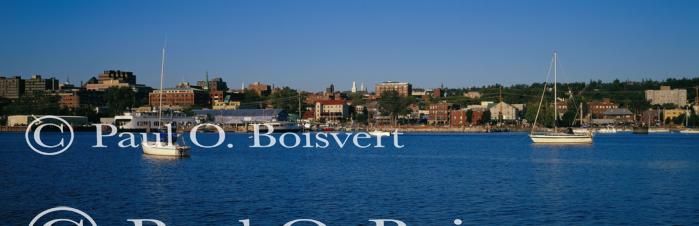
482 179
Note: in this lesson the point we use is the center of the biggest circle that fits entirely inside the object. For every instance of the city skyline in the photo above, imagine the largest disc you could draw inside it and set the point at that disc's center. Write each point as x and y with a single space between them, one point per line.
309 45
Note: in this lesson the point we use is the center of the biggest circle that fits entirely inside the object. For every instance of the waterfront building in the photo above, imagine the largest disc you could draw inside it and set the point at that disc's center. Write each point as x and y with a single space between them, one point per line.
178 98
650 116
597 108
666 95
503 111
619 115
260 89
11 87
439 113
37 84
331 110
402 88
458 118
672 113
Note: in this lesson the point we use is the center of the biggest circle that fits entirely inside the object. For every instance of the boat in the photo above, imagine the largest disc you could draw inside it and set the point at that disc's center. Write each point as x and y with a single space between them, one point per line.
608 129
556 137
146 121
690 131
380 133
276 126
658 130
582 130
171 145
560 138
643 129
497 130
165 148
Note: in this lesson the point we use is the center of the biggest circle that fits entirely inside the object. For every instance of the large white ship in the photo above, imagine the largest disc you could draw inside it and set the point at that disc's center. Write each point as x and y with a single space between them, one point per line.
143 121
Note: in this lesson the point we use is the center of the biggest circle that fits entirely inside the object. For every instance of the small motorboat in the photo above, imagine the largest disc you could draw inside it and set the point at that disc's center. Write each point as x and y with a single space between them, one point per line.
379 133
608 129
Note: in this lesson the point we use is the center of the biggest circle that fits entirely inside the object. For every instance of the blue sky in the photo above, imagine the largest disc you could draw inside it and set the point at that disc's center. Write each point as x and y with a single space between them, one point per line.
310 44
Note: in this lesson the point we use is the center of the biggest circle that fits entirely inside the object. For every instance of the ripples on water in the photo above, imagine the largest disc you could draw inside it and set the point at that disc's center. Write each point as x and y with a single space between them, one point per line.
479 178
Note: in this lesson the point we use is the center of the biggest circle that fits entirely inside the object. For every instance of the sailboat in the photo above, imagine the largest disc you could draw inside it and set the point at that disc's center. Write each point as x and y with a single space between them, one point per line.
164 146
556 137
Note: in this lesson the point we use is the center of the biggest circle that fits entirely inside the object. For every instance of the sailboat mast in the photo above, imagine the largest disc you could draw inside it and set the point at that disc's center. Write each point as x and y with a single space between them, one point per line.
160 94
555 92
581 113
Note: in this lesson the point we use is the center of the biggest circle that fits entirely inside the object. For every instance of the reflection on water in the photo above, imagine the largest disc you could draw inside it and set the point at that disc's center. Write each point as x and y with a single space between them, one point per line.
486 179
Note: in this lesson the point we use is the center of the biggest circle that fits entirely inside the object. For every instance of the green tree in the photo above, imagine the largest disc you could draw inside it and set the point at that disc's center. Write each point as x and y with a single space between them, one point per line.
361 117
568 119
486 118
250 99
38 104
469 116
545 113
394 105
119 99
357 99
287 99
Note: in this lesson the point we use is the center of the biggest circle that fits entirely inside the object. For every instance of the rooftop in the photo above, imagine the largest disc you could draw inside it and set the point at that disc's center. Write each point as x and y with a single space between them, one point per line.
617 111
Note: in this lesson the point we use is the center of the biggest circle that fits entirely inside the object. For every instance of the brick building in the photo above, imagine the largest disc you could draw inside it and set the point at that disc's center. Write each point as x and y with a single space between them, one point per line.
597 108
215 84
331 110
402 88
458 118
179 98
260 89
439 113
80 98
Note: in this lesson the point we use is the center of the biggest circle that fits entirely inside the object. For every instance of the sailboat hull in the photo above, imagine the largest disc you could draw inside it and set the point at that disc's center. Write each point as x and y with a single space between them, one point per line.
162 149
561 139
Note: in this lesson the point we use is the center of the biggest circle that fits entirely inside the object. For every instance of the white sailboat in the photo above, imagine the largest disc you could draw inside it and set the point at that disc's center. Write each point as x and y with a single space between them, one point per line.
556 137
164 146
